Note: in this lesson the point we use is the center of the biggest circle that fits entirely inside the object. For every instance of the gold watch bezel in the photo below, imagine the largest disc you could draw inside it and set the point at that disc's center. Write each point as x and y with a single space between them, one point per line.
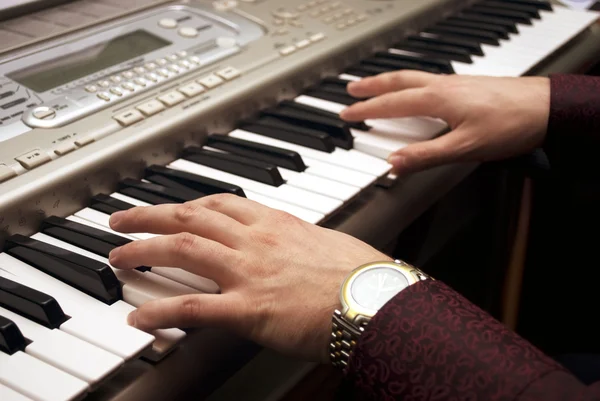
357 314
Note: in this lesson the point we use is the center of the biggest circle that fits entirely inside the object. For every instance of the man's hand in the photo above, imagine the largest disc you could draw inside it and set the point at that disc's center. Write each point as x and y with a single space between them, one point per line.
490 118
279 276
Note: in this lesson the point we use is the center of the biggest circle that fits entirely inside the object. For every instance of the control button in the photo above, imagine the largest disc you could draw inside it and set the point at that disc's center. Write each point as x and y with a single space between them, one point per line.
296 24
303 43
172 98
163 72
152 77
302 7
228 73
361 18
210 81
185 64
150 66
116 79
116 91
150 108
188 32
33 159
195 60
285 14
325 9
141 82
162 61
281 31
351 22
224 5
315 13
226 42
6 173
65 148
128 74
104 96
329 20
139 70
91 88
104 84
191 89
168 23
341 25
317 37
84 140
44 113
348 11
175 68
182 53
337 16
129 117
173 57
287 50
128 86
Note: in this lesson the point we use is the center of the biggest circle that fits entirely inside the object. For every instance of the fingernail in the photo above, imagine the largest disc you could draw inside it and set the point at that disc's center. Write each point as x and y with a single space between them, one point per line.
114 255
131 318
115 218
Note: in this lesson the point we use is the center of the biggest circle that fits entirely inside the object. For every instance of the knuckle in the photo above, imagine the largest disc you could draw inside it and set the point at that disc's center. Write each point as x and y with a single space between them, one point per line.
190 309
184 243
217 200
185 212
267 239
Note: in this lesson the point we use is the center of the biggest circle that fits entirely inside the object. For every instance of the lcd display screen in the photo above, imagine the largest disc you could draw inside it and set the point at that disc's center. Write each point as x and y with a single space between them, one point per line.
67 68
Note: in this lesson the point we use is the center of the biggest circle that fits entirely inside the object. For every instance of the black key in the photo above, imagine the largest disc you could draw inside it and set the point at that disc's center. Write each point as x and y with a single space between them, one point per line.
92 277
436 50
539 4
531 11
394 65
509 25
465 33
275 128
361 125
104 208
364 70
333 89
193 181
172 195
165 182
516 16
11 338
112 202
32 304
145 196
268 154
501 31
239 165
471 46
101 235
335 127
443 65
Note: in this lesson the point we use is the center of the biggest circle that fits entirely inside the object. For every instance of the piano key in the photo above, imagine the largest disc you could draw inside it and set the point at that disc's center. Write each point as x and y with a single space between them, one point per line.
463 33
286 193
509 25
332 90
241 166
167 183
103 219
288 132
8 394
104 208
472 46
194 182
349 159
65 352
174 195
320 185
314 110
340 174
516 16
336 128
539 4
110 201
38 380
129 199
34 305
365 70
444 66
138 287
268 154
499 30
11 336
531 11
436 50
95 279
307 215
91 320
144 196
101 235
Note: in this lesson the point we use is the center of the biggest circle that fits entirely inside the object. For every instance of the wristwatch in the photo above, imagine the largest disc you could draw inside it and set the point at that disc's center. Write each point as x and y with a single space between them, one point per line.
363 293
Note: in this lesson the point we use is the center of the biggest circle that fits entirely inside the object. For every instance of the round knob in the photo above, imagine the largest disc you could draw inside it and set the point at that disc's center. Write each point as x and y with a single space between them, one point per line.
168 23
188 32
44 113
226 42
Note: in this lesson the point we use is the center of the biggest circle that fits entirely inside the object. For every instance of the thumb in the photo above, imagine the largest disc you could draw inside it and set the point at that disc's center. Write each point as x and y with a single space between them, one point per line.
185 311
424 155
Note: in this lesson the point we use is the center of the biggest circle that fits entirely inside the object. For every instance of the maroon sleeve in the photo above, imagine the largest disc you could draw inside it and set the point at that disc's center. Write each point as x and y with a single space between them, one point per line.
573 139
430 343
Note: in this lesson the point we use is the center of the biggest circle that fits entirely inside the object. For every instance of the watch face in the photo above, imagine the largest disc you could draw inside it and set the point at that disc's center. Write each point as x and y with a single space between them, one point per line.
373 288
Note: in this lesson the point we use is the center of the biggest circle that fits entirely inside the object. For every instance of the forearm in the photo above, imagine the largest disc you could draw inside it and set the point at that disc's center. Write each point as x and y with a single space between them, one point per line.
573 137
431 343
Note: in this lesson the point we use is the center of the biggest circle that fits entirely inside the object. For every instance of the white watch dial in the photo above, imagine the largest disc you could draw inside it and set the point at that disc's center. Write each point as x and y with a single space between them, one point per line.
373 288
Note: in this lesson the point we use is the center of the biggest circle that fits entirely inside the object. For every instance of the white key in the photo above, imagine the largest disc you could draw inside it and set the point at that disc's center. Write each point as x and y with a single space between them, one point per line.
91 320
350 159
8 394
304 214
286 193
129 199
138 287
38 380
337 173
333 189
103 219
65 352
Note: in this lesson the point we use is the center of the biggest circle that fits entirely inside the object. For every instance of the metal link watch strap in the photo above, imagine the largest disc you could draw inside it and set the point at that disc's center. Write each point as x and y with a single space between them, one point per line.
344 337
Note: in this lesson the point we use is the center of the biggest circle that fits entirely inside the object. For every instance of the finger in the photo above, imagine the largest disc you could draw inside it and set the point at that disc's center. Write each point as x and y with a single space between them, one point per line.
241 209
407 103
190 252
449 148
175 218
197 310
390 82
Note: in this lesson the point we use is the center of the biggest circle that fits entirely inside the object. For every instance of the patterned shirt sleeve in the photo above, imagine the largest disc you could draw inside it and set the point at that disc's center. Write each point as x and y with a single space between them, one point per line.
430 343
